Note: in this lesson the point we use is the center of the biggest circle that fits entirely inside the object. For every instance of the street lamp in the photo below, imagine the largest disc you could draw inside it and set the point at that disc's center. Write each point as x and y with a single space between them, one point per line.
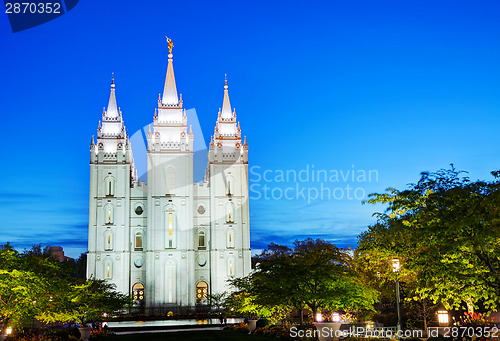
395 268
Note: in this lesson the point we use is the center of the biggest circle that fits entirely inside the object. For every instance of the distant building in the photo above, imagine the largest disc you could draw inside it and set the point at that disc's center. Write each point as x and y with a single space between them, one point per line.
169 242
57 253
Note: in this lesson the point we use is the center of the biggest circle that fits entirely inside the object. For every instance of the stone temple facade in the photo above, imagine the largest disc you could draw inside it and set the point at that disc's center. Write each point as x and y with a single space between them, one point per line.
168 242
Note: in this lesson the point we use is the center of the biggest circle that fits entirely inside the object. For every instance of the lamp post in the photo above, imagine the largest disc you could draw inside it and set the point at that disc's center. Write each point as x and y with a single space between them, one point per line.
395 268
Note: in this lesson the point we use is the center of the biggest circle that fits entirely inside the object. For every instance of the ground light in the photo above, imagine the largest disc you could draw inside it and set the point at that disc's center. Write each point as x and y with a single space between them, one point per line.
319 317
8 331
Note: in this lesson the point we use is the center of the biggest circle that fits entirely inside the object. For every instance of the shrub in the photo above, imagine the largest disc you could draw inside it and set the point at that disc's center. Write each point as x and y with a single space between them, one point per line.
261 323
239 328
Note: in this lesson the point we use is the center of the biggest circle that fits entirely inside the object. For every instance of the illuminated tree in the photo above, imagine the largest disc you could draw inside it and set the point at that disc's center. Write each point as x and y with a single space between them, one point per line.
446 231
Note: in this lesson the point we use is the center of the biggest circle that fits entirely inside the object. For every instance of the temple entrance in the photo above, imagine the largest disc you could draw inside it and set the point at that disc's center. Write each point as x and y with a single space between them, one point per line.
138 294
201 293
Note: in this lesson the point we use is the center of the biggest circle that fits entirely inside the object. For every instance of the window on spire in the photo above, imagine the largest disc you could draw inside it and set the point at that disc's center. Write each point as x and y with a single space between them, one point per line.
109 212
110 186
108 241
230 239
170 180
138 241
230 267
170 229
201 241
230 213
108 269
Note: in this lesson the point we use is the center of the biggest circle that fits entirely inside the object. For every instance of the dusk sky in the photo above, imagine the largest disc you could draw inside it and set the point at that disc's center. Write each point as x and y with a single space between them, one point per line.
387 89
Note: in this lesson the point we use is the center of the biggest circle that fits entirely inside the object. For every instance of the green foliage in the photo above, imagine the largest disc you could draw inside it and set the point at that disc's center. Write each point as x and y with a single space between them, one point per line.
239 328
446 231
274 331
315 274
34 286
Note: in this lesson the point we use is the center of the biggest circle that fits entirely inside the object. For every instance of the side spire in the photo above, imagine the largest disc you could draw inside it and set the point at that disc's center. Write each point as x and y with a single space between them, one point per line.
226 105
170 89
112 107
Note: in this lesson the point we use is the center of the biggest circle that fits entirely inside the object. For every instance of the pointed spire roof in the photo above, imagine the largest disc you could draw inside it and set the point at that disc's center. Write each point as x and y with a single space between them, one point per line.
170 89
112 107
226 105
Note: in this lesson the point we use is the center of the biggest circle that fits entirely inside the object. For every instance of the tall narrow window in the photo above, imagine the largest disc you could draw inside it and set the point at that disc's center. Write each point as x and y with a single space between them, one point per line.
170 282
109 211
201 241
138 241
230 239
110 186
170 229
230 267
229 185
230 213
108 269
170 180
108 242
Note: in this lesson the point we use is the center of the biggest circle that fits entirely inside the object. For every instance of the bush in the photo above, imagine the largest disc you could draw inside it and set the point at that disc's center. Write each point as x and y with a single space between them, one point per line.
261 323
278 332
96 334
239 328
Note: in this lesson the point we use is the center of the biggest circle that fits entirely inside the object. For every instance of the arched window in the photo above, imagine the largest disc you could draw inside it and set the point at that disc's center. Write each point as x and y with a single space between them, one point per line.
230 267
201 241
230 213
108 241
108 269
170 282
138 241
201 292
170 180
110 186
229 185
170 229
138 293
230 239
109 212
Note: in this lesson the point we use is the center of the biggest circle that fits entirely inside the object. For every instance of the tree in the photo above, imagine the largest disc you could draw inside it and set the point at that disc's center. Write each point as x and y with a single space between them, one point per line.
217 300
446 231
315 274
35 286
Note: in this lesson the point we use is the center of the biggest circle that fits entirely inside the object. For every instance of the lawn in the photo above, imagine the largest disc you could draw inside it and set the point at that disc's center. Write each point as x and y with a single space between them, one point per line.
209 335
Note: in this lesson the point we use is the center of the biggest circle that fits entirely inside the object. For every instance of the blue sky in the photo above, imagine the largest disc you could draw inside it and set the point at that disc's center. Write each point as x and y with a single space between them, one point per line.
396 87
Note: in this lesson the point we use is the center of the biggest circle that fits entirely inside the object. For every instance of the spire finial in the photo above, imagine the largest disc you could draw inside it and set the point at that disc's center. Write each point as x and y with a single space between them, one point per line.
170 90
226 105
170 45
112 79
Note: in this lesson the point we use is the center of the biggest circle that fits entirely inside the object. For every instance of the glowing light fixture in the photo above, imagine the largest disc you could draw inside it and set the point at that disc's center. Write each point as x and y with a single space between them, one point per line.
319 317
395 265
335 317
443 317
8 331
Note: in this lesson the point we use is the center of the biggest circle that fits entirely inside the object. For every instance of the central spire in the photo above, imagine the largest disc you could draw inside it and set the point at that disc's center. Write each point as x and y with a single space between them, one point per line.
170 90
112 107
226 105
